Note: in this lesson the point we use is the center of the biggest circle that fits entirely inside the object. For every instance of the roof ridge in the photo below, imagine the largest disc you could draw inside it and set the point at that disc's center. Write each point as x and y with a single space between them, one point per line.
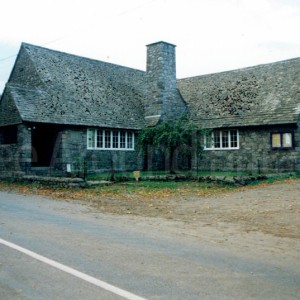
266 113
243 68
78 56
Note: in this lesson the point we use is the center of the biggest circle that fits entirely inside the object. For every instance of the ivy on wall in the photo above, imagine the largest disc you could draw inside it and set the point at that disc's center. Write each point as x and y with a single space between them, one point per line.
173 137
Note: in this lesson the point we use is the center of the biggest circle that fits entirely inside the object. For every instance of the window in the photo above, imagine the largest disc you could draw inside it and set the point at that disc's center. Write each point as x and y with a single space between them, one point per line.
222 139
8 135
282 140
91 138
99 139
122 139
234 139
130 140
115 137
107 134
216 141
110 139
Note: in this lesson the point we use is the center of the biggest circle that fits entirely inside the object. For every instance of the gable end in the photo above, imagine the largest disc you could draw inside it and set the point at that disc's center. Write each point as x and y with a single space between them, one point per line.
9 114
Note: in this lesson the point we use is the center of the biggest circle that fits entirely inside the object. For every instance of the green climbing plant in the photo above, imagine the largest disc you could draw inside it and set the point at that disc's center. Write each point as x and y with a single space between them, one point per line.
172 136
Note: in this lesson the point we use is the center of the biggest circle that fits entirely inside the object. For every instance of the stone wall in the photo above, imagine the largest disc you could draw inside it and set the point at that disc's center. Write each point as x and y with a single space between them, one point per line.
9 161
73 151
255 154
16 158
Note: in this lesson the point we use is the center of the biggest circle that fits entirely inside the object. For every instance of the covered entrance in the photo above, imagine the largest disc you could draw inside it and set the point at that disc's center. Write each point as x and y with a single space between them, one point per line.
45 143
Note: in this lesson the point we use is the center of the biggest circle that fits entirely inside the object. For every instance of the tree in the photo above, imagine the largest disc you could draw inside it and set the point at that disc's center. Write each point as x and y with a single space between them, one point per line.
173 137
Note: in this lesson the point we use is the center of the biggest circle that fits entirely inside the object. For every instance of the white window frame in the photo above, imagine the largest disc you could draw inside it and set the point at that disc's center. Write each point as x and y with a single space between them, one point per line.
221 144
94 145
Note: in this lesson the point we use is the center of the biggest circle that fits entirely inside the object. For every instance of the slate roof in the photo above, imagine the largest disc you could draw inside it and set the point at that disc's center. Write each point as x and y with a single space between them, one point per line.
48 86
262 95
68 89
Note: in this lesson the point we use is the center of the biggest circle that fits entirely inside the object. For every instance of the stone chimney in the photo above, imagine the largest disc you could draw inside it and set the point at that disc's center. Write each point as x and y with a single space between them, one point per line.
164 100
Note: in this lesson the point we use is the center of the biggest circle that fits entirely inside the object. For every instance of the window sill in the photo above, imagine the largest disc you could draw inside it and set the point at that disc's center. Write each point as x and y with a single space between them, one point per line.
220 149
110 149
282 148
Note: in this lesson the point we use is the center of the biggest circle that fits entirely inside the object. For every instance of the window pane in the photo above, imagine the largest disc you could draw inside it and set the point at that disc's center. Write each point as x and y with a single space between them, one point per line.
122 139
99 138
115 139
209 140
287 140
107 139
217 139
91 138
225 139
233 138
129 140
276 140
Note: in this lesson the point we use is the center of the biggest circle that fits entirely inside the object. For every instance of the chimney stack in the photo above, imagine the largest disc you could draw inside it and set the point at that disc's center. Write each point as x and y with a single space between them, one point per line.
164 100
161 64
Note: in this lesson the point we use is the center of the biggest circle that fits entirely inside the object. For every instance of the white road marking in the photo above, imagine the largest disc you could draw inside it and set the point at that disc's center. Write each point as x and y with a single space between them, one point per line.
85 277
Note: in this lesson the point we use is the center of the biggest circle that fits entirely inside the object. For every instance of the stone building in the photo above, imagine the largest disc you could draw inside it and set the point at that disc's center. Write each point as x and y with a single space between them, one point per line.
59 111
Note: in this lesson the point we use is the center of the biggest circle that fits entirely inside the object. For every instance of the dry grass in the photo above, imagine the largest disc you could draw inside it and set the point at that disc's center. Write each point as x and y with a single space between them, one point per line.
269 208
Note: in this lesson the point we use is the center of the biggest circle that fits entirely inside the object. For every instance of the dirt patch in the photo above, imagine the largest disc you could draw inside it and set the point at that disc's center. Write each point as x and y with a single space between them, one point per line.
271 208
267 208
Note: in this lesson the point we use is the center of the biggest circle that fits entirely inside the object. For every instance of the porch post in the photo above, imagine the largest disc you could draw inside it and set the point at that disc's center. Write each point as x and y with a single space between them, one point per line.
24 147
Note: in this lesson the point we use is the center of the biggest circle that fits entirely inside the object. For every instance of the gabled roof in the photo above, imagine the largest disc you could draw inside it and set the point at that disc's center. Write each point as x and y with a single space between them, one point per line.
262 95
48 86
9 113
67 89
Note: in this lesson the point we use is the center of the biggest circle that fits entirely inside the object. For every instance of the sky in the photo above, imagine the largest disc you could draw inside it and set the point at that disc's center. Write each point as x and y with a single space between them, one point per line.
211 35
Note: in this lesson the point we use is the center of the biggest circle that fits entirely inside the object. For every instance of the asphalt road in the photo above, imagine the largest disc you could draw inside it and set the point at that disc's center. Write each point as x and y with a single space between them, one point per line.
150 264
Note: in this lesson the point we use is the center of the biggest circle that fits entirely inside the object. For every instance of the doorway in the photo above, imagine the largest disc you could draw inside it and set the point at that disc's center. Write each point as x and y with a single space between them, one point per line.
44 138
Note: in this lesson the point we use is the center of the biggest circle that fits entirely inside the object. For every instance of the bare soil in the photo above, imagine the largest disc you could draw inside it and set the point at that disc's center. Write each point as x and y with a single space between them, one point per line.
259 220
268 208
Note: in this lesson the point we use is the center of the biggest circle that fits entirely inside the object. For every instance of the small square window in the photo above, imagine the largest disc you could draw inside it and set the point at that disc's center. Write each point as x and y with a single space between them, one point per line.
282 140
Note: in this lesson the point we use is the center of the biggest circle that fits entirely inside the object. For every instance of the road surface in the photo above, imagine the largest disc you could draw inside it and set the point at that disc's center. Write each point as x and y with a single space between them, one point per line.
45 244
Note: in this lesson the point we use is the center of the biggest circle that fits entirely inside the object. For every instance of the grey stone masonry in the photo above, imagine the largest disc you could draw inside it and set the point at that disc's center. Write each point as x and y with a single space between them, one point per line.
73 151
163 97
255 153
16 157
161 65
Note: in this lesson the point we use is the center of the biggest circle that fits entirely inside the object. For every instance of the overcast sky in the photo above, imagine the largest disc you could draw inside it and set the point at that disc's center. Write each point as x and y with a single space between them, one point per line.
211 35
